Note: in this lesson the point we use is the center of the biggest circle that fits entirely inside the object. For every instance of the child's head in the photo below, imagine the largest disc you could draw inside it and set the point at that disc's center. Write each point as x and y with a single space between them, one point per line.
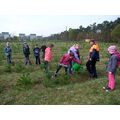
25 43
112 49
51 46
92 42
71 54
7 44
36 45
76 46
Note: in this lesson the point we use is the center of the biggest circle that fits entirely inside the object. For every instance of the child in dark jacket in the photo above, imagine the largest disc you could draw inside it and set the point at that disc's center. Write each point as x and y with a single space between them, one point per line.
65 60
112 67
43 51
36 51
8 52
26 52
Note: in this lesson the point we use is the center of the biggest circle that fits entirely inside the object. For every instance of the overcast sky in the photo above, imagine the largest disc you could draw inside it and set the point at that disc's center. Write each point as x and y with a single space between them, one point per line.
48 24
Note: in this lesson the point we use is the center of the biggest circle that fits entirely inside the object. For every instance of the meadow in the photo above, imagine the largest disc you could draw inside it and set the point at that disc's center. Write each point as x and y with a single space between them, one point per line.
29 85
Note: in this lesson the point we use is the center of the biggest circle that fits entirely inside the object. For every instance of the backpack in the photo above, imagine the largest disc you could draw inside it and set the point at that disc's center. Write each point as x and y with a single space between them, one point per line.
118 57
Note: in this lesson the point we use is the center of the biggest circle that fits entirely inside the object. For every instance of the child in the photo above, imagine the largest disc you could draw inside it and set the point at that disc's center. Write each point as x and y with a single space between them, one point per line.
36 51
48 56
8 52
75 50
112 68
43 50
26 52
65 60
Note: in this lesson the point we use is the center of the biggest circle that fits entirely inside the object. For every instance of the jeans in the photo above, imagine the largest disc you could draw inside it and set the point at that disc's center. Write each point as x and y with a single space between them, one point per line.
37 60
9 59
91 67
46 66
59 67
70 67
26 60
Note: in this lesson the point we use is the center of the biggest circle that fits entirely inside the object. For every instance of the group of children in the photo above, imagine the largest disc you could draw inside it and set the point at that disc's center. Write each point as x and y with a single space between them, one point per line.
68 60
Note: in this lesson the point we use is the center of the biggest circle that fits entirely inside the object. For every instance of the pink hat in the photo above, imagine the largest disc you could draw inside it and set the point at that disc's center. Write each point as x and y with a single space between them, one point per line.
112 49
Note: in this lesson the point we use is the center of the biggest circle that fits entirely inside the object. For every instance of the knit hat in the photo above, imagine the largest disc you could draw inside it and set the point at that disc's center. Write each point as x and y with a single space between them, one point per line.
112 49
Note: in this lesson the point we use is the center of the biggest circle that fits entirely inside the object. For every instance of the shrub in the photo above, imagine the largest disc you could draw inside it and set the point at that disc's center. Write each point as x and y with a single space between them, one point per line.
24 79
19 67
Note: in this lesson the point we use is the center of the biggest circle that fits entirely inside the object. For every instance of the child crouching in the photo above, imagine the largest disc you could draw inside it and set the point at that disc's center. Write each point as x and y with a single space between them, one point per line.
112 67
65 60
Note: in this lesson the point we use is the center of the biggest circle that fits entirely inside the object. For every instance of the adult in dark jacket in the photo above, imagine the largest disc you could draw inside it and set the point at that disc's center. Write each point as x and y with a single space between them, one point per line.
36 51
26 52
93 57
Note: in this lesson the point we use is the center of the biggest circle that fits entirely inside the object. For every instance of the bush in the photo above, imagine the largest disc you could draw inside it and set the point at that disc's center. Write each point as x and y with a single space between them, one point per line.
8 68
24 79
19 67
115 34
48 82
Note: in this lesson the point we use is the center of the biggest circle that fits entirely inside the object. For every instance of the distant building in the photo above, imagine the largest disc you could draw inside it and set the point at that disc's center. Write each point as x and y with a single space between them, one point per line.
22 37
39 37
32 37
5 35
1 37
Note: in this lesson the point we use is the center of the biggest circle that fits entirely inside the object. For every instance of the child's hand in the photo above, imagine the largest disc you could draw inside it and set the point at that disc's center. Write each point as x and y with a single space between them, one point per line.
90 59
110 72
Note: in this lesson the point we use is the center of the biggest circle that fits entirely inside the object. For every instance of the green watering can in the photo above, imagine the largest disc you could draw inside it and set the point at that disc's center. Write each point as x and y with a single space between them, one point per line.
78 67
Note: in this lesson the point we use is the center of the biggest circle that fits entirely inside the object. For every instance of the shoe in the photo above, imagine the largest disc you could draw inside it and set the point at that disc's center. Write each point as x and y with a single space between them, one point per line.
109 90
94 76
54 76
106 88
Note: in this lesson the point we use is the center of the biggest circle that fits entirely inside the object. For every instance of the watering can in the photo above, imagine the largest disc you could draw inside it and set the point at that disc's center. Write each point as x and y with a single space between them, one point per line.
78 67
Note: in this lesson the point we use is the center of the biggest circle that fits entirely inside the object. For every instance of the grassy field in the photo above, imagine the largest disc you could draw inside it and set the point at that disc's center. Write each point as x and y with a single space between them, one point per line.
30 85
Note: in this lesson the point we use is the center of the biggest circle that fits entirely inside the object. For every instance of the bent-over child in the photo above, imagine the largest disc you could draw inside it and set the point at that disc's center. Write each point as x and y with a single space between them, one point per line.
65 60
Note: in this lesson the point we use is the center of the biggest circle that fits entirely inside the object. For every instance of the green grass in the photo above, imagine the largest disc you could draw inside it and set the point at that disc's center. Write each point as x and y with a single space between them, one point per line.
39 88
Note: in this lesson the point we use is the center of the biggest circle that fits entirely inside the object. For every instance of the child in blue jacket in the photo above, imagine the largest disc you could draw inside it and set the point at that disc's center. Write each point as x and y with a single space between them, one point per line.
8 52
36 51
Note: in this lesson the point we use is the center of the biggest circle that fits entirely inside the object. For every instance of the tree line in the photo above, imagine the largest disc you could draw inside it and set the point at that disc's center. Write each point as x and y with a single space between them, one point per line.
104 32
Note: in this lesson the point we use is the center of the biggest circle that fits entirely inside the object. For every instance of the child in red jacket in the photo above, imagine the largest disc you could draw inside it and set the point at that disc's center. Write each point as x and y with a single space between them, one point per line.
65 60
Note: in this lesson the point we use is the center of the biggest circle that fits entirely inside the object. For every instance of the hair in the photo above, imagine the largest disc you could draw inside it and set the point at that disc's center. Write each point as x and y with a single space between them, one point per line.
36 44
92 40
71 54
75 45
7 43
51 46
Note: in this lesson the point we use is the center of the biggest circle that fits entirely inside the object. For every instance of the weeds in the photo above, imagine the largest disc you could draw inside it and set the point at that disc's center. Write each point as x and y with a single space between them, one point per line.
8 68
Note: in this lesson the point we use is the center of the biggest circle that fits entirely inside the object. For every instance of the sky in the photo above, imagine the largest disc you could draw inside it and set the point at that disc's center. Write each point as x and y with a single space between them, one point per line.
46 25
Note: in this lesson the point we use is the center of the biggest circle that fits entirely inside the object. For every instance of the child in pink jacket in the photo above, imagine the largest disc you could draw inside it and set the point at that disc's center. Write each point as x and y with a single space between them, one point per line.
64 62
48 56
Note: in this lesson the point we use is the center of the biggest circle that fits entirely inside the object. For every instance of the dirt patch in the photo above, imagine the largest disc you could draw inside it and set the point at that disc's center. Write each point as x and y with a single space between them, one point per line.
1 72
38 87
